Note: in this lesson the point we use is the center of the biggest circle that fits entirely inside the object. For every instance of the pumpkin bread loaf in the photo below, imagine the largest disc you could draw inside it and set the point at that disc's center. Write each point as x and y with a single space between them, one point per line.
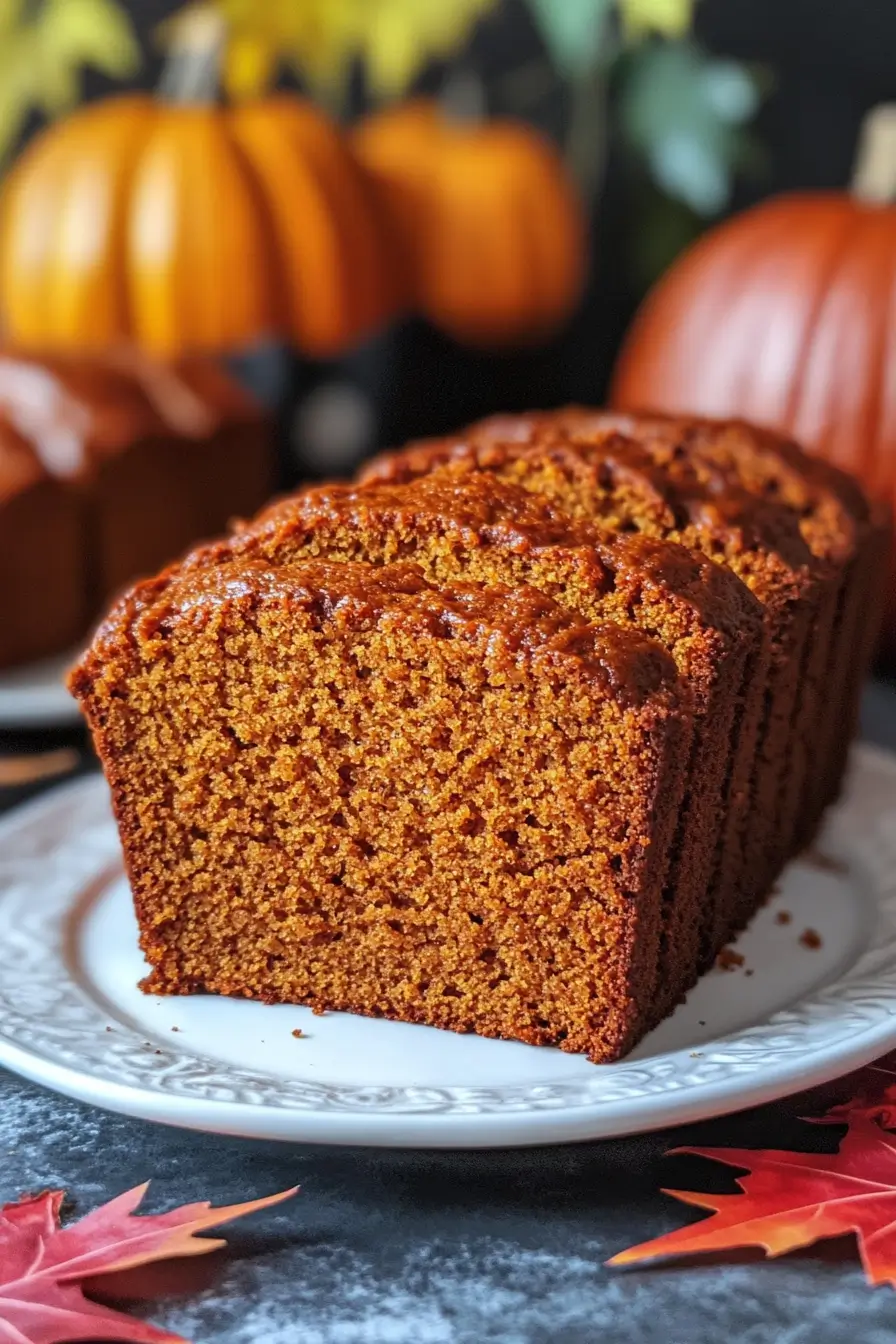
45 602
636 485
510 737
339 785
483 529
110 466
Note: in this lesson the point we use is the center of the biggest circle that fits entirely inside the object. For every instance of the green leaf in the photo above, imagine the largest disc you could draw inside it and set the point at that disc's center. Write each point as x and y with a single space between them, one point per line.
731 91
573 31
665 228
692 169
684 112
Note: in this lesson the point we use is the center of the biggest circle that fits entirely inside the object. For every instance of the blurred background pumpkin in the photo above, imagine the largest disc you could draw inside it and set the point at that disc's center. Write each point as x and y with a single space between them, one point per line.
487 218
786 315
183 225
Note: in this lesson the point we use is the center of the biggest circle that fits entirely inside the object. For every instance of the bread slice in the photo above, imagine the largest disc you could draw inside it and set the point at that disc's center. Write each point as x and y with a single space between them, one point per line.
643 485
337 785
483 529
850 538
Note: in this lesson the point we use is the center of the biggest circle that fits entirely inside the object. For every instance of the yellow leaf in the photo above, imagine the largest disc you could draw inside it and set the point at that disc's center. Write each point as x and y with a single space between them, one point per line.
10 17
397 38
16 84
250 64
74 33
394 53
322 38
670 18
42 50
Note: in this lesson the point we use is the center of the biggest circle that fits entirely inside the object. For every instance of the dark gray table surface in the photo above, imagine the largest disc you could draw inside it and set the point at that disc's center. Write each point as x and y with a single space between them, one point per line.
451 1247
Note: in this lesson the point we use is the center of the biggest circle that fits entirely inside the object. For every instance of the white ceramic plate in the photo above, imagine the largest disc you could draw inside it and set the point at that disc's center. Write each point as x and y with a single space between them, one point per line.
35 696
72 1018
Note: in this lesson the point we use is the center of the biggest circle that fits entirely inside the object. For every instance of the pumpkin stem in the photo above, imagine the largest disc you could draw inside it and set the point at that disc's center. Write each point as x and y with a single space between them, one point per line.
196 42
874 173
462 97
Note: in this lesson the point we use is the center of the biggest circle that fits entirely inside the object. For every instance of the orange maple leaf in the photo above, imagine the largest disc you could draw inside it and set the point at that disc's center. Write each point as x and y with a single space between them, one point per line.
791 1200
42 1264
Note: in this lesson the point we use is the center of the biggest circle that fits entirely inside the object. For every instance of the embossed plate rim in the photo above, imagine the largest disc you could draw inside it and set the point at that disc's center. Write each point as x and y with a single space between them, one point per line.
53 1031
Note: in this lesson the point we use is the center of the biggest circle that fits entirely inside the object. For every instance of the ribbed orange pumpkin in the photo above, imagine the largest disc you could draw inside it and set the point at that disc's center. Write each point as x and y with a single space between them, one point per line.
186 226
489 220
785 315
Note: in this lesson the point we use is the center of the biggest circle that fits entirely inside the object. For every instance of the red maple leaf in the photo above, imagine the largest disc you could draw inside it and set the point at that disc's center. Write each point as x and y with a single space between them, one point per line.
875 1098
795 1199
42 1264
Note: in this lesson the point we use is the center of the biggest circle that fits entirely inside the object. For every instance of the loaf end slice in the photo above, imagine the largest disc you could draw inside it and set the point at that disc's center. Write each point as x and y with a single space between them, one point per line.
336 785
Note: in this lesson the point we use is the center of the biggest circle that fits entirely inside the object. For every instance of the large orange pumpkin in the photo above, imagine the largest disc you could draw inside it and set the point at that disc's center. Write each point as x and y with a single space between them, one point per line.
186 226
785 315
488 217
